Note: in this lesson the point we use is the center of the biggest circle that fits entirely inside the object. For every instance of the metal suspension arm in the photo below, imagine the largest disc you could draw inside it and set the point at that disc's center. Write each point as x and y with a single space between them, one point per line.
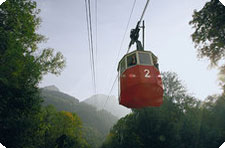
134 34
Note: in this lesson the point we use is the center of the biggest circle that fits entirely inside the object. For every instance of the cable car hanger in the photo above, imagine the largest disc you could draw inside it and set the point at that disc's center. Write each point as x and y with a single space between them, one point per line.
134 34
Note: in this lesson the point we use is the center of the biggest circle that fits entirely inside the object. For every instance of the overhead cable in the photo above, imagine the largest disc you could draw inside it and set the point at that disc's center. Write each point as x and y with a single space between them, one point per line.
92 46
132 9
125 33
96 38
110 91
126 29
88 31
146 5
90 40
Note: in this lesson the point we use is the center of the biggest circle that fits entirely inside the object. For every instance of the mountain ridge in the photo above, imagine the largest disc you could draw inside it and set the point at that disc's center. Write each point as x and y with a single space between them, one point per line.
109 103
89 114
96 123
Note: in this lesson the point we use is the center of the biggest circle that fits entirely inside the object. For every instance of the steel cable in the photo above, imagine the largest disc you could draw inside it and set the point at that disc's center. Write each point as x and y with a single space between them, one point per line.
90 41
132 9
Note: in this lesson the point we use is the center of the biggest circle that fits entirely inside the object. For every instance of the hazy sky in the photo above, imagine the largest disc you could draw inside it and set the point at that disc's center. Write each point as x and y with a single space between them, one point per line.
167 35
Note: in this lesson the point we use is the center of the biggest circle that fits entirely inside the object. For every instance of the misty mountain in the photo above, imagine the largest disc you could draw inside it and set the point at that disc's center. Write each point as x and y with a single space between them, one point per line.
96 123
110 104
53 95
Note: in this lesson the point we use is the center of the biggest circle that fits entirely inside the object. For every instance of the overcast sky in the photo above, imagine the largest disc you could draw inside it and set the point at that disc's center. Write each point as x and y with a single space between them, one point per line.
167 35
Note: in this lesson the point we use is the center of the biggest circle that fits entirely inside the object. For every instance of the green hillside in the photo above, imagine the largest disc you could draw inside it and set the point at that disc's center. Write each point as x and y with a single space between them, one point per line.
97 123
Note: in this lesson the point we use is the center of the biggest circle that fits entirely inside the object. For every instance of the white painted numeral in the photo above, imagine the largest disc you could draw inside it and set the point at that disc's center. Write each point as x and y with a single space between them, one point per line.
147 75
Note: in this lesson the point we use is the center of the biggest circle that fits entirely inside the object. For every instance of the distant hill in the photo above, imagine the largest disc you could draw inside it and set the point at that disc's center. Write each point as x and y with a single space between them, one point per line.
51 87
97 123
111 105
52 95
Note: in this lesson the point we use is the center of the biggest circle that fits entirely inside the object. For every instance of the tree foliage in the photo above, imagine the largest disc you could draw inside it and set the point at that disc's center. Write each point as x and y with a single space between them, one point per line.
21 61
182 121
96 123
100 120
209 34
22 66
60 129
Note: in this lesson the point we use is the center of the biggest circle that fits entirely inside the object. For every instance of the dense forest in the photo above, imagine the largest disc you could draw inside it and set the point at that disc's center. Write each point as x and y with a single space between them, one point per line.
31 117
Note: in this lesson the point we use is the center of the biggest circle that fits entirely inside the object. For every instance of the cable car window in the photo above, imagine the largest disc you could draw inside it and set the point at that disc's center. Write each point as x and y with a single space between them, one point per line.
122 66
155 61
131 60
144 58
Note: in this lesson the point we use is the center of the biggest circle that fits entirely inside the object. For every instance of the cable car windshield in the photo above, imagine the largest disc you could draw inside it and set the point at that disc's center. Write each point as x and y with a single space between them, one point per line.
144 58
131 60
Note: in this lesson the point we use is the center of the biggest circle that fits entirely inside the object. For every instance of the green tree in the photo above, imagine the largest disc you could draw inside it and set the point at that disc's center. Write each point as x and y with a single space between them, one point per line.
181 121
209 34
213 121
22 67
61 129
209 38
93 136
157 126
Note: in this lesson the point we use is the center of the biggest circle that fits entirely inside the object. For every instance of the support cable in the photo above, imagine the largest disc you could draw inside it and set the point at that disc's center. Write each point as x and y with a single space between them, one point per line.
128 23
96 38
110 91
90 41
92 48
146 5
126 29
96 28
88 30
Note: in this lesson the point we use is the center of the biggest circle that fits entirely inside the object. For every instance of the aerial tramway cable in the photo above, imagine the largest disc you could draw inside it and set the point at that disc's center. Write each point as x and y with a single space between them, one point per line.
92 47
146 5
90 41
96 30
88 31
126 29
121 47
114 82
96 43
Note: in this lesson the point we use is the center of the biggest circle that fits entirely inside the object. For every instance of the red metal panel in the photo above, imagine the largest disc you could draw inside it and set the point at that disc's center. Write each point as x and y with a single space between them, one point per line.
141 86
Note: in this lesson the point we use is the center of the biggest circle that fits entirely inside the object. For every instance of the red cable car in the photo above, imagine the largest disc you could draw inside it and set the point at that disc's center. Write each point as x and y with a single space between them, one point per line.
140 80
139 77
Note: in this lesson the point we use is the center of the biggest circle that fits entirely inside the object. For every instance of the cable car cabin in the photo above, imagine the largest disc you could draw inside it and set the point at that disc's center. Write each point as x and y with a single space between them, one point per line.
140 80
